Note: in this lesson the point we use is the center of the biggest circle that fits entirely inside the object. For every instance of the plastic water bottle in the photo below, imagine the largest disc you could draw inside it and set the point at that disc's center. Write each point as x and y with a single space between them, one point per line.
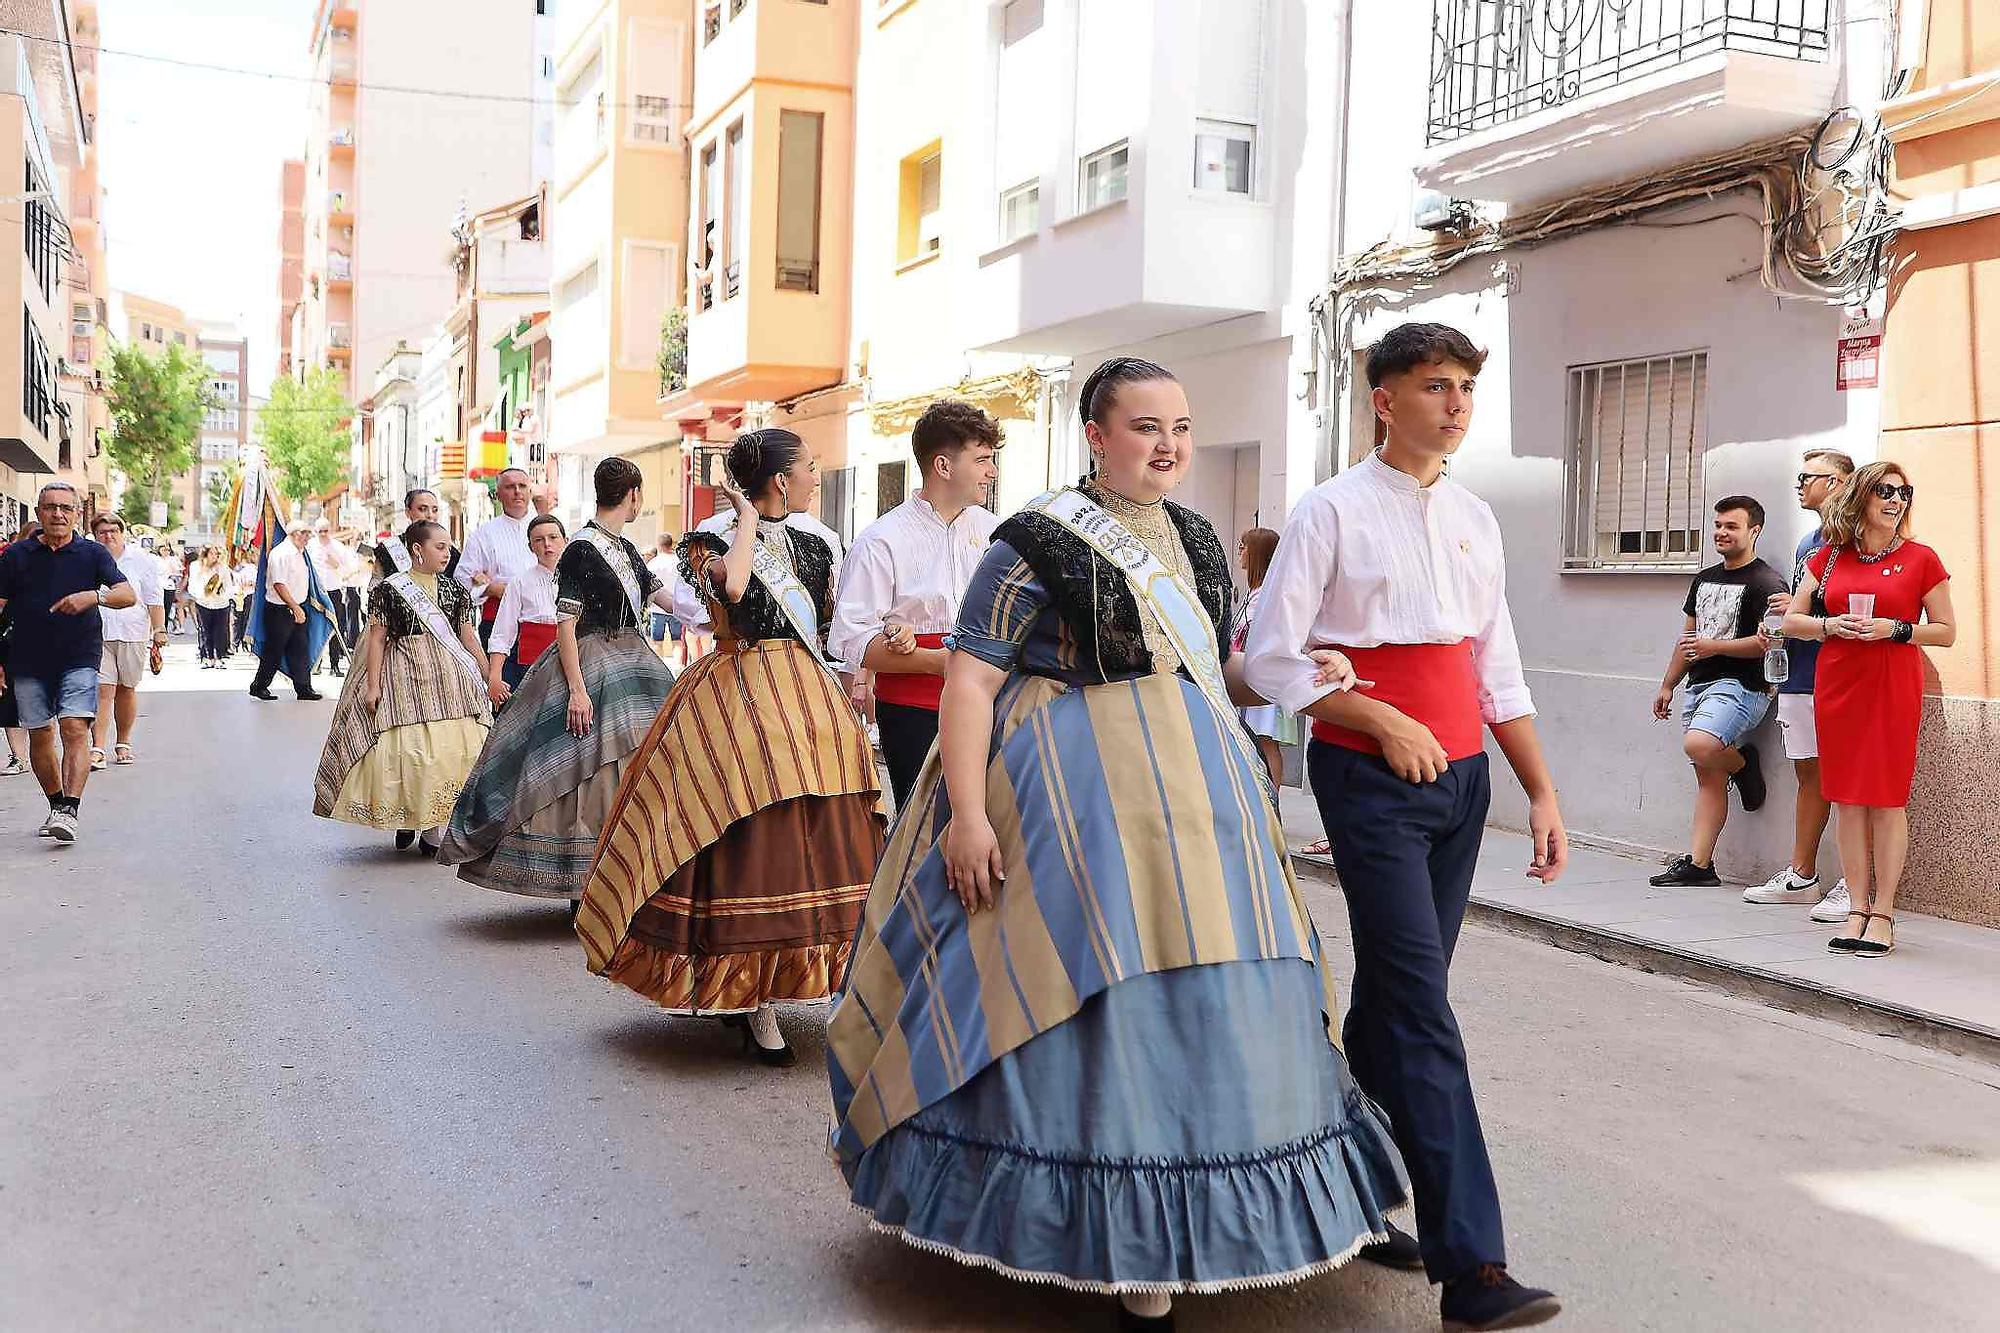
1777 660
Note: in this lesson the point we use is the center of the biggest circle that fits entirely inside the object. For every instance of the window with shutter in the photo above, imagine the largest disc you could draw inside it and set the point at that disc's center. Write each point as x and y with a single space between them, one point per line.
652 70
1638 431
799 136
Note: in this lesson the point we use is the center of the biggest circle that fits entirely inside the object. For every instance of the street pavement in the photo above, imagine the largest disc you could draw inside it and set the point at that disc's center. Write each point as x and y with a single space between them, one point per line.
260 1071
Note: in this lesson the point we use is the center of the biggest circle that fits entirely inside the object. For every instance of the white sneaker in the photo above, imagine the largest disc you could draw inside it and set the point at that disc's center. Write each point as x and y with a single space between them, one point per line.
1835 907
61 826
48 825
1787 886
14 767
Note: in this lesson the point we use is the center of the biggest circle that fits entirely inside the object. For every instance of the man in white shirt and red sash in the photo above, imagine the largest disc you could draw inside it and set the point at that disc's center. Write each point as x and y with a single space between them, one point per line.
1396 565
497 552
905 576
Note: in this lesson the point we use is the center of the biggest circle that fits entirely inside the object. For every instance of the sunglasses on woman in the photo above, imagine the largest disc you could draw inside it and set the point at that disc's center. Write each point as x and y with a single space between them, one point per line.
1884 491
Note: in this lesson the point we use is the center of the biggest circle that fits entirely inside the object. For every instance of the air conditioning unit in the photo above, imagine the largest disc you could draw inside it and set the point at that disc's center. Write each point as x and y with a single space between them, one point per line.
1440 212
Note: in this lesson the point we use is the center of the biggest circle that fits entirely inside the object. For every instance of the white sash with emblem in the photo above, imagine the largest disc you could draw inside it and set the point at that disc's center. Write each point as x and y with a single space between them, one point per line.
614 555
784 586
1161 593
433 619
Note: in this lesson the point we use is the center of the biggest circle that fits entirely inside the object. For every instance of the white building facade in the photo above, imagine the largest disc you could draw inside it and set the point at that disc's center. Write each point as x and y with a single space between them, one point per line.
1641 367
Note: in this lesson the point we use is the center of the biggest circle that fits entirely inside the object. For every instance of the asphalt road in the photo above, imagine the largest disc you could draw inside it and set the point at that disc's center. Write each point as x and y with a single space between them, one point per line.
259 1071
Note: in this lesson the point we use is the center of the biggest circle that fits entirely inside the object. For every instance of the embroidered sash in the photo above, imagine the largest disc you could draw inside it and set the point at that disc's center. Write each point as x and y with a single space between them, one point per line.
1158 590
399 554
614 555
433 619
786 590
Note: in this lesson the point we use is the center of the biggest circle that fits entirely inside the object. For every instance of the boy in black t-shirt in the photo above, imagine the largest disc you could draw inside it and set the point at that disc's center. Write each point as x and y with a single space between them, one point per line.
1720 656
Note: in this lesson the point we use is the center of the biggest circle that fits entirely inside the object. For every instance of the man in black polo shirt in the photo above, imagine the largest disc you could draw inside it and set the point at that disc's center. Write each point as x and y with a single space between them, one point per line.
55 583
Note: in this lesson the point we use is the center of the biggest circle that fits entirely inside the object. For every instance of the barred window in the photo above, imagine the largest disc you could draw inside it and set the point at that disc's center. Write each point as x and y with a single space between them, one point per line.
38 379
1638 431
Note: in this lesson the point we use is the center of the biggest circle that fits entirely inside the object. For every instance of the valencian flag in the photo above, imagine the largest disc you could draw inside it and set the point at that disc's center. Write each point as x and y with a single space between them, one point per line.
251 522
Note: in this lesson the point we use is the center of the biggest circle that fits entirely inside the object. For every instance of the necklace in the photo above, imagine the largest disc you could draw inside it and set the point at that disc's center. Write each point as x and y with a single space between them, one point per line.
1880 555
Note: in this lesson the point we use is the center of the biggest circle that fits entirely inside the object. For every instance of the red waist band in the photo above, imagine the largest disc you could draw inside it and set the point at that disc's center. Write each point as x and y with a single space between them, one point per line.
1431 682
912 689
531 640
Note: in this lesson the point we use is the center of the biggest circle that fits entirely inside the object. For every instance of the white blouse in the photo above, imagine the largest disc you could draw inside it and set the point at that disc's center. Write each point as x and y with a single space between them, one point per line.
910 566
530 597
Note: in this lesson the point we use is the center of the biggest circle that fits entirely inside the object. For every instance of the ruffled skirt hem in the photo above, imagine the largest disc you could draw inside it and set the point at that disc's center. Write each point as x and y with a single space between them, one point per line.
1142 1225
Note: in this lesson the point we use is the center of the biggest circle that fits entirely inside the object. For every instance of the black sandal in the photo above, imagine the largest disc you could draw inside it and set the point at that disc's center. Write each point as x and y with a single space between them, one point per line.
1874 948
1846 943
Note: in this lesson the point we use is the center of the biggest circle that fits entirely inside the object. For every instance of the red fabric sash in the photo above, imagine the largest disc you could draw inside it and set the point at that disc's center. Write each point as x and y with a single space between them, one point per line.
531 640
912 689
1432 682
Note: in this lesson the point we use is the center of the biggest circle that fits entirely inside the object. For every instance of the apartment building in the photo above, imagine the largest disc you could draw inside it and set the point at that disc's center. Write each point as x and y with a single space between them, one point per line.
1131 189
1940 368
378 191
388 456
89 289
291 257
918 237
770 221
623 77
225 427
1655 344
43 137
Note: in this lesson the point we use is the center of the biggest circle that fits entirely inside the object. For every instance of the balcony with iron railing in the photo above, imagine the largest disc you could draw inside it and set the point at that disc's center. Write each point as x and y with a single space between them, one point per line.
1533 99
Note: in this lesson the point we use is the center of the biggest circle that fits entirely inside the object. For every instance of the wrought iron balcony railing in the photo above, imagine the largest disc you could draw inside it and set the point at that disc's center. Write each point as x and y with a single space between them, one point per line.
1496 61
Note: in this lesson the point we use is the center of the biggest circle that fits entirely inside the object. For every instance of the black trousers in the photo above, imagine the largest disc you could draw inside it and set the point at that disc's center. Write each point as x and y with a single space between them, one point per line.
1406 854
907 736
212 632
284 644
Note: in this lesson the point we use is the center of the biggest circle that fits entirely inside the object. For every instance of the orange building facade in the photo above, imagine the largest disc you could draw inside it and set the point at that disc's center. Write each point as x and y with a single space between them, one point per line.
1941 420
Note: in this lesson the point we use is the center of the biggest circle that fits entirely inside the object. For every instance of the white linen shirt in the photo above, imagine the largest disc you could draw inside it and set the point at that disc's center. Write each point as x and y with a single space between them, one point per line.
332 560
909 566
1370 557
532 596
286 565
131 624
499 550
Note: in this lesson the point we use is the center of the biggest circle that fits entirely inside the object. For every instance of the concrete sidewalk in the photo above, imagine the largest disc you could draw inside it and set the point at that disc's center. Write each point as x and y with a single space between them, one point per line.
1940 987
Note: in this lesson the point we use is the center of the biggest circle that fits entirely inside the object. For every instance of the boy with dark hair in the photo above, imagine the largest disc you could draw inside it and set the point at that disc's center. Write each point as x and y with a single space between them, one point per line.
1720 654
1399 567
906 575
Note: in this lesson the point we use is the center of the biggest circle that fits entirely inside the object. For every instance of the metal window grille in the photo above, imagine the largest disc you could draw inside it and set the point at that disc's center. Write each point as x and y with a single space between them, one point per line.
652 119
1638 431
1495 61
836 502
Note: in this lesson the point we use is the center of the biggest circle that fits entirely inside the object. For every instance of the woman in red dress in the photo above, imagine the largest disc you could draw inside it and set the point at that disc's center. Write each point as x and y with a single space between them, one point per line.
1875 597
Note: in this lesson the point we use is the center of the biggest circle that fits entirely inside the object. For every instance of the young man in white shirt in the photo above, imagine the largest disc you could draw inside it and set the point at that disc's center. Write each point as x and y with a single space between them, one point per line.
334 563
905 576
497 553
133 638
1401 568
287 588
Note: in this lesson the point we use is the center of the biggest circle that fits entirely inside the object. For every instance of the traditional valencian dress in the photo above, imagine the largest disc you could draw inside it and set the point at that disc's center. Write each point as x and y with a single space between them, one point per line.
402 764
1119 1078
531 811
732 870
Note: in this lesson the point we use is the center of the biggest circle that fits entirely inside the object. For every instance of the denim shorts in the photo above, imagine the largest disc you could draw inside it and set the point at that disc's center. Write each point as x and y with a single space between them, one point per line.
1726 709
40 703
665 628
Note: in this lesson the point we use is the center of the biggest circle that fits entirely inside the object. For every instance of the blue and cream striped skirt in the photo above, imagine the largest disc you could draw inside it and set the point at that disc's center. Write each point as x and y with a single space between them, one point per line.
1121 1077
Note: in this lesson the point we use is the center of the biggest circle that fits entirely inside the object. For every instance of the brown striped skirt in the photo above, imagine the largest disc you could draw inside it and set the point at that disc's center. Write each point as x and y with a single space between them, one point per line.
741 846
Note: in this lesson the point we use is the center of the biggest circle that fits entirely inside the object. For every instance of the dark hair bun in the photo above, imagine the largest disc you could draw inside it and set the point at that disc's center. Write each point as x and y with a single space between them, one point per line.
756 456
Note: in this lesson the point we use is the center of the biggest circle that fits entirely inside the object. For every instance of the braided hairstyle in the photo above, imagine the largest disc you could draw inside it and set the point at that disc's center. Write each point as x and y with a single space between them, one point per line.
1100 392
758 457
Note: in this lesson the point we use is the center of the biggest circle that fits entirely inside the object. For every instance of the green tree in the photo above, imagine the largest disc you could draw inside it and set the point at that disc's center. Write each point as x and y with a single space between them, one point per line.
156 404
674 351
304 433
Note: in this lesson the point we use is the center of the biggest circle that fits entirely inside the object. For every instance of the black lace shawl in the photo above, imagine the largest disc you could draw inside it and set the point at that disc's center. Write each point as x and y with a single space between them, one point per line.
758 615
1078 579
387 605
583 578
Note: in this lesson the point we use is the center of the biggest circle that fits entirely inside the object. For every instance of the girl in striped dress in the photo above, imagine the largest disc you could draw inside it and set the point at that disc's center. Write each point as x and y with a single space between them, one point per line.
1085 1036
730 875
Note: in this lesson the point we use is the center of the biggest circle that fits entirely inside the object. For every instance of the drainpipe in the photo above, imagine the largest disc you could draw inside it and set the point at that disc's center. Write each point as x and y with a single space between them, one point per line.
1325 332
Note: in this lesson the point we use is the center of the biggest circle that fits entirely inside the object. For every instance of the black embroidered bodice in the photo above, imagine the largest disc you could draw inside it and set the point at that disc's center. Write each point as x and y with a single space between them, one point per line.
1096 602
758 615
587 588
389 607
